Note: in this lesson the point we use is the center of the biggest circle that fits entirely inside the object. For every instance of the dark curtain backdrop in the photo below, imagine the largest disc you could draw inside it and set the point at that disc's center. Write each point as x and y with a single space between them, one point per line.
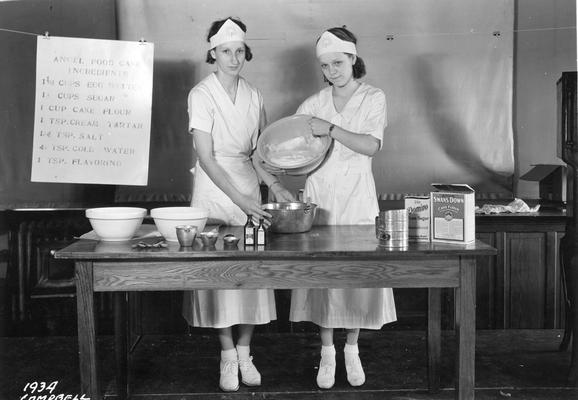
71 18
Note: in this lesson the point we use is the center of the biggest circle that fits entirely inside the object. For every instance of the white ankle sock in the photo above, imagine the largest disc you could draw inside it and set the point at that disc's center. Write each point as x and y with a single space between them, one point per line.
328 351
243 352
230 354
351 349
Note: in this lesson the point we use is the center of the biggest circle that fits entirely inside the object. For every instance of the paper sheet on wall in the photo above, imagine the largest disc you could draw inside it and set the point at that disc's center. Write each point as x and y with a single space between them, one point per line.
92 111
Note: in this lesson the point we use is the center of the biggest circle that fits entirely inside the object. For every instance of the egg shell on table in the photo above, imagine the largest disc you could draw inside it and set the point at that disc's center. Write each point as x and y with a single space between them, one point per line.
230 240
115 224
168 218
209 238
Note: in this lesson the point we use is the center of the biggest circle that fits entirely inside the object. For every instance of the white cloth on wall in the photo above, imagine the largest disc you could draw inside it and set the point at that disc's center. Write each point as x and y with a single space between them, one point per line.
448 78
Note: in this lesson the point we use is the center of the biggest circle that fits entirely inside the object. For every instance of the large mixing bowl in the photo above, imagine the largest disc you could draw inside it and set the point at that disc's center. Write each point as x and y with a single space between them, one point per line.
288 144
293 217
115 224
168 218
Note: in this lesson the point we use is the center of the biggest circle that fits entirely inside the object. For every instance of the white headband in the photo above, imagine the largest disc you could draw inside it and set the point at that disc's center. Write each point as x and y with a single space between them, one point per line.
229 32
329 43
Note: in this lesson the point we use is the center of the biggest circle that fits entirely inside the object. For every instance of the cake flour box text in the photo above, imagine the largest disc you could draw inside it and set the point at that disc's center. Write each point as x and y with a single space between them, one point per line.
453 213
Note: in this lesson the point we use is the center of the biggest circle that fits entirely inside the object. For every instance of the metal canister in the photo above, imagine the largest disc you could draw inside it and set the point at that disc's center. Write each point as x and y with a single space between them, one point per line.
392 228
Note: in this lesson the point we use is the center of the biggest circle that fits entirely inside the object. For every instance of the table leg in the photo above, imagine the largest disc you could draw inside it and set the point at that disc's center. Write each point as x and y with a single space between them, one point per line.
86 330
121 344
466 329
434 338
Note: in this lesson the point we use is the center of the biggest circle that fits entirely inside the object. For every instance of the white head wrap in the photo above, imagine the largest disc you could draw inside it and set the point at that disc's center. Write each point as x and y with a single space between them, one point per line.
329 43
229 32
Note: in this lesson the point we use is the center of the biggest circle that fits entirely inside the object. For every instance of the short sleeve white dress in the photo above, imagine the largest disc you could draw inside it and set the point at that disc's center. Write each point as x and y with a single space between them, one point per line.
344 190
234 127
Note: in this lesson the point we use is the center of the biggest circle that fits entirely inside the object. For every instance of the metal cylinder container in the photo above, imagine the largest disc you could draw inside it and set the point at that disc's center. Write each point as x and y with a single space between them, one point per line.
392 228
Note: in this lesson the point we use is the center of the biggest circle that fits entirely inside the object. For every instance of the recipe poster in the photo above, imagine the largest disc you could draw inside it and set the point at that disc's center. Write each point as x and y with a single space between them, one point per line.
92 115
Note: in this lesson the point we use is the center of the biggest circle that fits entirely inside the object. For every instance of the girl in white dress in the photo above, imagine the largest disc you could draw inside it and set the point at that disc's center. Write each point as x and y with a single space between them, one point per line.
354 115
225 116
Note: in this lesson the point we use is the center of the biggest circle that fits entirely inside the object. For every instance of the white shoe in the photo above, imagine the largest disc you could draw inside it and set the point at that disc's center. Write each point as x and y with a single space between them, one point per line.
229 380
355 374
249 374
326 373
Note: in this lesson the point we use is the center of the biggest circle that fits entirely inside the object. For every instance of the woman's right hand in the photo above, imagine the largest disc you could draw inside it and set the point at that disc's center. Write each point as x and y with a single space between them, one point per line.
319 127
252 207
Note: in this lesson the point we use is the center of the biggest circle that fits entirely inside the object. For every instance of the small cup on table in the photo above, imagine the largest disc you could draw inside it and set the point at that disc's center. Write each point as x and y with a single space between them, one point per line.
209 238
186 235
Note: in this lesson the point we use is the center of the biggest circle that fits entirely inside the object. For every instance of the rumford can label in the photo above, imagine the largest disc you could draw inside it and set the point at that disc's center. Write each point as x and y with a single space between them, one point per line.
418 210
448 213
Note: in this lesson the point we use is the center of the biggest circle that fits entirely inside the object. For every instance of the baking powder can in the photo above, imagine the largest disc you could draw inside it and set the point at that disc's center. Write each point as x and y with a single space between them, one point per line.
392 228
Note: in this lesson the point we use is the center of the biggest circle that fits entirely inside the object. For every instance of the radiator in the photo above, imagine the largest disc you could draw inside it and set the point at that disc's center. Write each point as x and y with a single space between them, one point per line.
35 279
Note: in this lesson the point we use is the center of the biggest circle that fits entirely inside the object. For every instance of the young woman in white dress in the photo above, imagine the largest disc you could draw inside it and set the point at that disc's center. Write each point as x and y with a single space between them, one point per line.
225 116
354 115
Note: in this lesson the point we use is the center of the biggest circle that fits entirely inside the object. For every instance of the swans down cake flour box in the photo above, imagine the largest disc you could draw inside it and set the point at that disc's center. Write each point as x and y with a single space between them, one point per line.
418 218
453 218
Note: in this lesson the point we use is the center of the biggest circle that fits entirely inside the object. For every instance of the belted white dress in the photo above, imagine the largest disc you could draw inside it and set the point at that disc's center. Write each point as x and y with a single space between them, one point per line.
234 127
344 190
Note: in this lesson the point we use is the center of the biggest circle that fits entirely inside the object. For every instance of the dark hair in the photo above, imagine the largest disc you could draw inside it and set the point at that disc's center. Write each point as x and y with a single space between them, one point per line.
215 26
344 34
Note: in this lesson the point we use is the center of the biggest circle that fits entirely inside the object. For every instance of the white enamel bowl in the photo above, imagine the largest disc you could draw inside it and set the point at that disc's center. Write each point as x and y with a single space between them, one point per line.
168 218
115 224
289 145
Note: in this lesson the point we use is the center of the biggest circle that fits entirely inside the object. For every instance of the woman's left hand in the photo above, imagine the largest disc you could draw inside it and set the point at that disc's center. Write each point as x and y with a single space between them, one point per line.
281 194
319 127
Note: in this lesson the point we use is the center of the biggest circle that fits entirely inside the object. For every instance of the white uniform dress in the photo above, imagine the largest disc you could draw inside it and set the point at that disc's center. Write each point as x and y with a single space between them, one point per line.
234 128
344 190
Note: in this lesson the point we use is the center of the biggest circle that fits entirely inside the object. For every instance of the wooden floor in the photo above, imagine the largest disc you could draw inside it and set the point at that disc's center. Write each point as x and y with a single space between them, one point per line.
512 364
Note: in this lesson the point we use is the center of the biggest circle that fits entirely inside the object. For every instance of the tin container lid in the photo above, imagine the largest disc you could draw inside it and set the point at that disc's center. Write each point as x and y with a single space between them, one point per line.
394 212
453 187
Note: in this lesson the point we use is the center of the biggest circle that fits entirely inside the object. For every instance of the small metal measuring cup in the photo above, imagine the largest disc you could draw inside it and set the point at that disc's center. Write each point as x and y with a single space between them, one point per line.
186 235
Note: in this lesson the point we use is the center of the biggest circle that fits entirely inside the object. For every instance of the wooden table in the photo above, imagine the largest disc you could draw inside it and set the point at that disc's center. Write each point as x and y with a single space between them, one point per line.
325 257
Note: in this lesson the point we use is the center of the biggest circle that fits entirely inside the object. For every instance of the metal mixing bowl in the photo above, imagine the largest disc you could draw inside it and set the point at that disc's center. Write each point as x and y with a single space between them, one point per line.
294 217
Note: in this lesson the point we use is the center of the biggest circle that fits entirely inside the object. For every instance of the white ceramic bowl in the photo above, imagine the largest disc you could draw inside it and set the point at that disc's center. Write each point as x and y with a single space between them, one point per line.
115 224
168 218
289 144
